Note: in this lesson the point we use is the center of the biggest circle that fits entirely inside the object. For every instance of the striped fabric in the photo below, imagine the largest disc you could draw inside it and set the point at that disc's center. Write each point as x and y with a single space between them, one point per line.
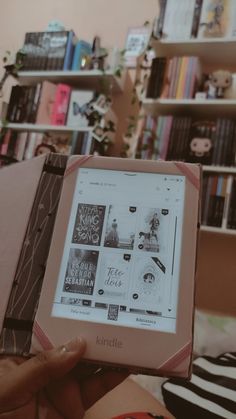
211 392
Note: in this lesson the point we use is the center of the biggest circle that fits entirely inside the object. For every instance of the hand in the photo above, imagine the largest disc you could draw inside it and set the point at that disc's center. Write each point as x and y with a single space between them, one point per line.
52 380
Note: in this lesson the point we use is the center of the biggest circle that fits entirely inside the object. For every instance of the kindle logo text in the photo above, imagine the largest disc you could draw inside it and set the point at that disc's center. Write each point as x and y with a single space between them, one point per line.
112 343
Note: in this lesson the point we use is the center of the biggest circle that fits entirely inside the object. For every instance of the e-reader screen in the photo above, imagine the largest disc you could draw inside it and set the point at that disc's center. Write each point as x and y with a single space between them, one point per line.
121 257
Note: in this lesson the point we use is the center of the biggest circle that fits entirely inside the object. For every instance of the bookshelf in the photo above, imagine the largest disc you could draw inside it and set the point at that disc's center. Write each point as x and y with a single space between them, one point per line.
207 50
204 107
92 80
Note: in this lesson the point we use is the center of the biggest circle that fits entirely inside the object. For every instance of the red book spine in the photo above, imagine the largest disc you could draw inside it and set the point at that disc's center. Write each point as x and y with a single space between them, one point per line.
61 104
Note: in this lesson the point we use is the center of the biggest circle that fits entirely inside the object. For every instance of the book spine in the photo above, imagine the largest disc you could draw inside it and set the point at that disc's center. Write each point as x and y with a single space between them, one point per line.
152 78
158 29
35 102
196 18
61 105
20 145
70 48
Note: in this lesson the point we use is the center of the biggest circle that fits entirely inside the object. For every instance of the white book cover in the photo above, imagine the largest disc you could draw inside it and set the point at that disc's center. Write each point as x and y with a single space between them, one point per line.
218 19
33 140
227 201
79 108
20 145
178 19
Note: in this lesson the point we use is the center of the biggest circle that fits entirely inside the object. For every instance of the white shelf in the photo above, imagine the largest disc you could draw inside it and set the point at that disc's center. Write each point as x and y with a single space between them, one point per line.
178 106
212 51
218 230
87 79
42 128
219 169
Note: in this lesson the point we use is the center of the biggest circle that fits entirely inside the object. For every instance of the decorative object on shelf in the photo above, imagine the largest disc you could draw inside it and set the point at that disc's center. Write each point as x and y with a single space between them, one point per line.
11 68
98 55
136 44
217 83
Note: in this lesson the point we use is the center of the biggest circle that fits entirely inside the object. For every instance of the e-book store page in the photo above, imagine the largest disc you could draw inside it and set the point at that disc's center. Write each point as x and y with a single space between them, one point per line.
121 257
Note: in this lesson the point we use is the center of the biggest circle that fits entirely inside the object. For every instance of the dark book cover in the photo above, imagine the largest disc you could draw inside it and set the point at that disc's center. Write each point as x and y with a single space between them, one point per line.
159 80
12 112
196 18
88 224
81 271
34 102
231 223
229 130
158 27
152 77
175 151
56 47
230 149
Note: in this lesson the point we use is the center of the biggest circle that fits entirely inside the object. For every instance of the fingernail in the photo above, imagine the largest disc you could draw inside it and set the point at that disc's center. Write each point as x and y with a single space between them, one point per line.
75 345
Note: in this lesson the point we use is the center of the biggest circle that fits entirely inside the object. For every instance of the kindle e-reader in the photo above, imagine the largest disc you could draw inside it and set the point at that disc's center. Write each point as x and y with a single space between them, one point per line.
121 265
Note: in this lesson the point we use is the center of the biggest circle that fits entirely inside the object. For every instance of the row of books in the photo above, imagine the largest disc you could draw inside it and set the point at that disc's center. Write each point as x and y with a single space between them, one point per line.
19 146
185 19
217 190
177 77
51 104
209 142
59 50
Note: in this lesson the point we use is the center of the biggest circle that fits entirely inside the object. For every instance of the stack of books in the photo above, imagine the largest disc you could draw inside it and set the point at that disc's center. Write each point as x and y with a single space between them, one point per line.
55 51
186 19
177 77
50 104
209 142
25 145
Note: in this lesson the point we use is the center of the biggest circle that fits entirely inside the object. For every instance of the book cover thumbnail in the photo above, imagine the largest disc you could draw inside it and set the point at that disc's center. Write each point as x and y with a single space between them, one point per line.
88 224
152 229
120 228
114 275
79 108
81 271
148 281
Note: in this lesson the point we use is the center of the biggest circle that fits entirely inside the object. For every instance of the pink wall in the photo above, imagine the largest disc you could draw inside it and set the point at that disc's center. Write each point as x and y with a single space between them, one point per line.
107 18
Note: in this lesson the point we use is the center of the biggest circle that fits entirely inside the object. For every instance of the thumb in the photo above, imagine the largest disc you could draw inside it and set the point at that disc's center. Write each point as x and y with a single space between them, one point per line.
32 375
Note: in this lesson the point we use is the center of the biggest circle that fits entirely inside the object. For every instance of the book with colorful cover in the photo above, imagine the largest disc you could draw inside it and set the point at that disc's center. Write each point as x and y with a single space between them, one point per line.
61 104
78 112
82 51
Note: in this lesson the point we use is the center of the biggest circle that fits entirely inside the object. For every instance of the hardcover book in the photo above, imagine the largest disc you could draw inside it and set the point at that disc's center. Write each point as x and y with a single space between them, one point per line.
46 103
48 50
61 104
79 108
82 54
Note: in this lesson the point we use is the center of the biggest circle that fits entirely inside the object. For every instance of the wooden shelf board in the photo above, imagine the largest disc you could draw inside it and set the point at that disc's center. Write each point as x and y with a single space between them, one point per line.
219 169
92 79
42 128
175 106
218 230
212 50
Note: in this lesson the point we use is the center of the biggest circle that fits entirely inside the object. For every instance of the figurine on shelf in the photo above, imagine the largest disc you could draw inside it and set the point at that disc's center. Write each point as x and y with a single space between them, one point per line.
217 82
98 54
